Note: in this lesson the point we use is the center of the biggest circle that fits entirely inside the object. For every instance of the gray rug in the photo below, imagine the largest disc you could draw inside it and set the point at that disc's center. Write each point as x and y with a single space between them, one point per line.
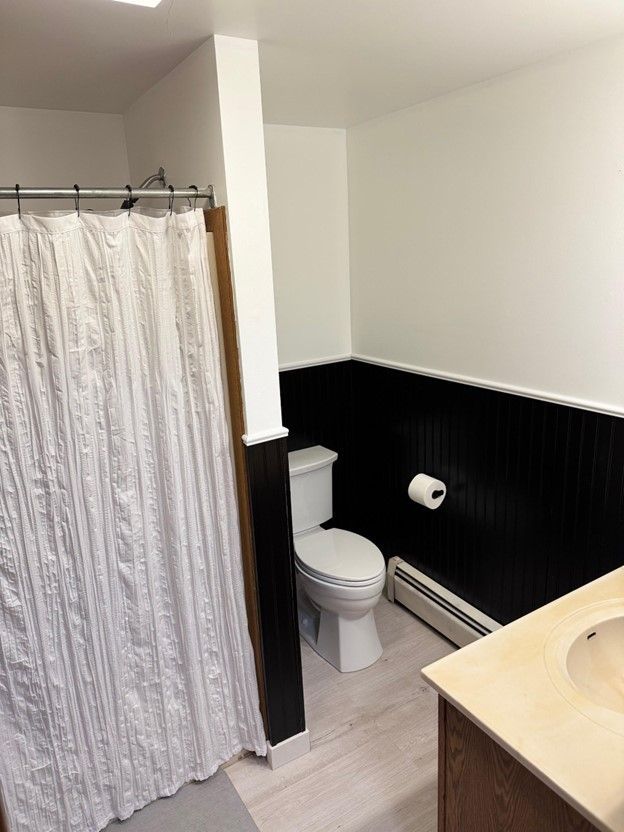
210 806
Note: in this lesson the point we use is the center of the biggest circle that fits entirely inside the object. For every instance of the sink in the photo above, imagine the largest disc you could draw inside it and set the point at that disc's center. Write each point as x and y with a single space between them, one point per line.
584 656
595 663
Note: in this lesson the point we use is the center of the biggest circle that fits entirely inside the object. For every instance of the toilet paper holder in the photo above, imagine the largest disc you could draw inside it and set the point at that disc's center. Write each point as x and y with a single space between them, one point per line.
427 491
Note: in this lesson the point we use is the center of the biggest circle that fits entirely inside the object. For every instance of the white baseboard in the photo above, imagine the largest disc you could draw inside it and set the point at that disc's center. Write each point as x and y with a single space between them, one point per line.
288 750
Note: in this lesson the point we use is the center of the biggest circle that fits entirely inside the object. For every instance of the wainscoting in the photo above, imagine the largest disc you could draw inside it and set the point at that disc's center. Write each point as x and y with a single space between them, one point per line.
535 504
317 403
269 495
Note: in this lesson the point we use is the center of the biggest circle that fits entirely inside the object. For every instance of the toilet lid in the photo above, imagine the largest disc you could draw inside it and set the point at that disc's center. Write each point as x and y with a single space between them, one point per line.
339 555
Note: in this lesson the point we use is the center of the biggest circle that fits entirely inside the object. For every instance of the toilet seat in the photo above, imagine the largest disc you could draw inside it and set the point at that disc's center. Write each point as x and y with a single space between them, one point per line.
339 557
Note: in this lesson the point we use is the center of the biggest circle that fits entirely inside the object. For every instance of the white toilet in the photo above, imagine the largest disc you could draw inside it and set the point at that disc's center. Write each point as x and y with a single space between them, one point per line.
340 575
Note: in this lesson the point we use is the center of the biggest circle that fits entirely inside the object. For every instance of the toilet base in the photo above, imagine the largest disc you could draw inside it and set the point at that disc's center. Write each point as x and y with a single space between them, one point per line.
348 643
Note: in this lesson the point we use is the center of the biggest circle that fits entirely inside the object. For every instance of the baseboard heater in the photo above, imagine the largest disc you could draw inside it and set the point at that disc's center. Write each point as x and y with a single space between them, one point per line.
460 622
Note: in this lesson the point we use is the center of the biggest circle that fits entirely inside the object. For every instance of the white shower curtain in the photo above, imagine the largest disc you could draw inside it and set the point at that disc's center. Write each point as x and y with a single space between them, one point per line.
125 663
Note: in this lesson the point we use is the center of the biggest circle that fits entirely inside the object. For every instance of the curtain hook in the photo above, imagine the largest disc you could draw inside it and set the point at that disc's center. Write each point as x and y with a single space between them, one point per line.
171 197
129 189
77 199
196 189
19 203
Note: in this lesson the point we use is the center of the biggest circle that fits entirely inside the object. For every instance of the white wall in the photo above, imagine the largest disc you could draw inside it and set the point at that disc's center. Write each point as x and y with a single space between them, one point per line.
177 124
487 232
203 122
58 147
240 104
308 208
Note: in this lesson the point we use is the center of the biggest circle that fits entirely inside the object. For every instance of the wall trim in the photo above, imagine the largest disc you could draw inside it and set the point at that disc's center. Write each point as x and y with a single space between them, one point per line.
314 362
216 227
264 435
288 750
554 398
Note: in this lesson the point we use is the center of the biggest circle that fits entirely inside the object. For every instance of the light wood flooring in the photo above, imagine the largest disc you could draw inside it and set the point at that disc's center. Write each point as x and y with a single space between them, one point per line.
373 762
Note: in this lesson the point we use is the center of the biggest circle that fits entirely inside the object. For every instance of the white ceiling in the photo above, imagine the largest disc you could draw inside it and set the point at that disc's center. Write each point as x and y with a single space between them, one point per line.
324 62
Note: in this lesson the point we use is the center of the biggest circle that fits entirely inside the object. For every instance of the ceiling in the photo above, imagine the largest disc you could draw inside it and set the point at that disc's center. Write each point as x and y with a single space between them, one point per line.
323 62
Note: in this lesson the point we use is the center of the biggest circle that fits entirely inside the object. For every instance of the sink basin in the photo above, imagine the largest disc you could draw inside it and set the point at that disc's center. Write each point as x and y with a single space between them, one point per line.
584 656
596 663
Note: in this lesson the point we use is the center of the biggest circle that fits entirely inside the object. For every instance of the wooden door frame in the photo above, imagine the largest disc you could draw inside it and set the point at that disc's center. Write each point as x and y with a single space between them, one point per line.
216 224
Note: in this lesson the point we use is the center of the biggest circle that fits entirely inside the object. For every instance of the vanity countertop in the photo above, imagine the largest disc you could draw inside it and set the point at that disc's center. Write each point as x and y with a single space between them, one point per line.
504 684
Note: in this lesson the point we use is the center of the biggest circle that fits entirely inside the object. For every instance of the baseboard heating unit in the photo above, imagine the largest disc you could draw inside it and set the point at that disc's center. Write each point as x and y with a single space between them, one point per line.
460 622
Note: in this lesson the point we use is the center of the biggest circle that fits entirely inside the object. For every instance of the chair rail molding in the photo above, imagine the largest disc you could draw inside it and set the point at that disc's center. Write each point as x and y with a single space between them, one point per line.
529 393
314 362
264 435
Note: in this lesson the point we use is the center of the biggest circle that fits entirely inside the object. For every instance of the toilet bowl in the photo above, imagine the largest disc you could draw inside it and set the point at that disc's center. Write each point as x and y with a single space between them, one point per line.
340 574
336 613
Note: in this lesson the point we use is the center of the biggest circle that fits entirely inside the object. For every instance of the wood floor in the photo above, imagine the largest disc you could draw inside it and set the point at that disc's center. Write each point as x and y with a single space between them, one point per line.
374 743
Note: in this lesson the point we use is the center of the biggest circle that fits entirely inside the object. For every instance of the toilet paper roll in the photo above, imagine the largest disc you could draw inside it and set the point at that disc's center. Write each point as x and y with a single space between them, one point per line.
427 491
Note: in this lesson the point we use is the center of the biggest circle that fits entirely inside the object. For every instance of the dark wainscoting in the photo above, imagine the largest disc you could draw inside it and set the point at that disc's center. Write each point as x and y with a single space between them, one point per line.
318 404
269 493
535 503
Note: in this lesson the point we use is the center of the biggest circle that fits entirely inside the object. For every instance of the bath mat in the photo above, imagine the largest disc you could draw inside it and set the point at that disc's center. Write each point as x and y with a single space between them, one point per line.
210 806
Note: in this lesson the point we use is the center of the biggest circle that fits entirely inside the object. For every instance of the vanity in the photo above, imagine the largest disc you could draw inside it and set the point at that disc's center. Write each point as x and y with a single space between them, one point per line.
531 720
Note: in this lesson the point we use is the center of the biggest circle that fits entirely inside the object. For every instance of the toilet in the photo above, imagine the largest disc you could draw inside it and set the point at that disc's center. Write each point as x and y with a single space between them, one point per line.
340 574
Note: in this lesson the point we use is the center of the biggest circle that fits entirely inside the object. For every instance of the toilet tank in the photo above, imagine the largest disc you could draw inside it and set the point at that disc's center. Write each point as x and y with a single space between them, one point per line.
311 486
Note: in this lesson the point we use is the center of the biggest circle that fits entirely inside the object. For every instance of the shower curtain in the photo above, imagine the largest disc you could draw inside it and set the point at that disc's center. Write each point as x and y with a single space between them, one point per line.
125 663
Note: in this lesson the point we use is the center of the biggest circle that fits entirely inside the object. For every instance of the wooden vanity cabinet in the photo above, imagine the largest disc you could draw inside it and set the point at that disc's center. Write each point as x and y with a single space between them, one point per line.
482 788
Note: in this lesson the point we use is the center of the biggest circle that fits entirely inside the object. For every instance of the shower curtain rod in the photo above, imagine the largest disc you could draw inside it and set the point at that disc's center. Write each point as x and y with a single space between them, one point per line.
110 193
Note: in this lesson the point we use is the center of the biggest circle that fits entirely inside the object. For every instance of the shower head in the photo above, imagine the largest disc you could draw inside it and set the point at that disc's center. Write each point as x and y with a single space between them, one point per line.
147 183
